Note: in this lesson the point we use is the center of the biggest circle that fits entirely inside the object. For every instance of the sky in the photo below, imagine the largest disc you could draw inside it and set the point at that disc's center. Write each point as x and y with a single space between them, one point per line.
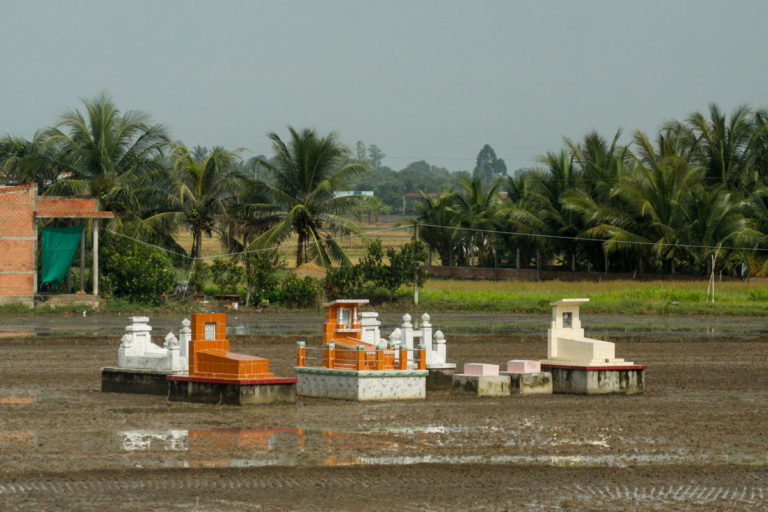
425 80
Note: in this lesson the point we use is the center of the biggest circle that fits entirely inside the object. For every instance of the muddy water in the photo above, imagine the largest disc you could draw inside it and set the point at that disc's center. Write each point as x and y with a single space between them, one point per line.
450 322
314 446
695 437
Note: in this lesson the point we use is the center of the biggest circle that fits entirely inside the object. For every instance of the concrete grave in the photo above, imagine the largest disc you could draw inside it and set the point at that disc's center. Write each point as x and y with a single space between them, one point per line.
523 366
142 366
219 376
440 370
356 363
195 367
584 365
137 352
526 378
480 379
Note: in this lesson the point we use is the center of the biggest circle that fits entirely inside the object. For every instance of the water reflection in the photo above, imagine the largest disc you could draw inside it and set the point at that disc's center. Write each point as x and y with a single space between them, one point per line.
145 440
19 439
200 440
382 446
18 400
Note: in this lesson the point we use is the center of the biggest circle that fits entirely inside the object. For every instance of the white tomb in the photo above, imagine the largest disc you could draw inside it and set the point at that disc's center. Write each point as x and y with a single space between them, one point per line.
369 328
137 352
434 343
567 345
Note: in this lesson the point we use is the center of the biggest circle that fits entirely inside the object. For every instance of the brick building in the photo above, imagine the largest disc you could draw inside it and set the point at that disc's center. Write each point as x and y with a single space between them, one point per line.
20 210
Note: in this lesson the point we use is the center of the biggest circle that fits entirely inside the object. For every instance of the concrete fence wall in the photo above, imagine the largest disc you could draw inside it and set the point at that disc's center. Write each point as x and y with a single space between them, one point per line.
527 274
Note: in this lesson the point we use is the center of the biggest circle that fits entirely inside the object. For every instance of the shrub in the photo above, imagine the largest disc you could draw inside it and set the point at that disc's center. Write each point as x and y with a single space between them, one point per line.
300 293
404 266
227 274
201 274
261 276
343 282
134 270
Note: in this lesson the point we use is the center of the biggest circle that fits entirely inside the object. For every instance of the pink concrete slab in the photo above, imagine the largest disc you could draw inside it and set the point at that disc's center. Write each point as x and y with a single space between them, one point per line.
481 369
523 366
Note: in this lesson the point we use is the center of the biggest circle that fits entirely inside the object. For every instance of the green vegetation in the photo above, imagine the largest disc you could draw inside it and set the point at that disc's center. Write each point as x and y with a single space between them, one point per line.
136 272
631 297
375 280
691 199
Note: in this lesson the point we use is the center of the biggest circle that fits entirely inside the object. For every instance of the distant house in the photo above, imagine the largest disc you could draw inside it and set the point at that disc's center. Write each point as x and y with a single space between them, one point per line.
345 193
21 209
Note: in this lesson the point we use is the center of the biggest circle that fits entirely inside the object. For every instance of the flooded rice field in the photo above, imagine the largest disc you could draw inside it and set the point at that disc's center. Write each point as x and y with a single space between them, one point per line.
698 437
451 322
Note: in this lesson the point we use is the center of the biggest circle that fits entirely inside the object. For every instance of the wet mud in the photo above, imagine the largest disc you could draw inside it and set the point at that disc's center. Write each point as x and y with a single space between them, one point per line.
696 438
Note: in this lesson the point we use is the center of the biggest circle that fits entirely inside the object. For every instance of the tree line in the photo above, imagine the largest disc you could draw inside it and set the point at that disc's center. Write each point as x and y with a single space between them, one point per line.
159 188
692 195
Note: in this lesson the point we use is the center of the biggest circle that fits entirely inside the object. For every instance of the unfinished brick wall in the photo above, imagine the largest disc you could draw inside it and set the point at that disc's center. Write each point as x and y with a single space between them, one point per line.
18 236
68 207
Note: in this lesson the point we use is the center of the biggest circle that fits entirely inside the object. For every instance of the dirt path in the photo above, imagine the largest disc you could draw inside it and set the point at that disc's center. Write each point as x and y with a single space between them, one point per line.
697 438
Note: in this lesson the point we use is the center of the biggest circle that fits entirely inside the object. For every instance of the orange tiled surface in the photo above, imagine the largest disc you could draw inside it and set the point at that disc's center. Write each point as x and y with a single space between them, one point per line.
346 338
212 359
331 324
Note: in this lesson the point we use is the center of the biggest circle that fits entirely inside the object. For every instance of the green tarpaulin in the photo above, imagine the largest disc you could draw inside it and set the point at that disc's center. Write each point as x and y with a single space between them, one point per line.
59 246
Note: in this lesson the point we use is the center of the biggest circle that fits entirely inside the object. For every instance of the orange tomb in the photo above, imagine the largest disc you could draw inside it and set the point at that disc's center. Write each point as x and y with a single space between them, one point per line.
209 355
347 348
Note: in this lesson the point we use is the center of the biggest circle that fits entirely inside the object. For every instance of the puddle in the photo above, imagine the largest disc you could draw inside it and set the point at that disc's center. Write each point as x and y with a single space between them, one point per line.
523 443
199 440
16 334
405 445
24 439
17 400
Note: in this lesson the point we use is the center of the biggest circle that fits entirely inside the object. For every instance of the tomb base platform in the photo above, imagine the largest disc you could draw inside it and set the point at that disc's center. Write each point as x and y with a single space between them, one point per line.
440 378
138 382
362 385
532 383
480 385
597 380
182 388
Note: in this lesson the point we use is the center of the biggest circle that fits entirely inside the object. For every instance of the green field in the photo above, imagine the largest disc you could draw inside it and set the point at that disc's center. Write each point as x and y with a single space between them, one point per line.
654 297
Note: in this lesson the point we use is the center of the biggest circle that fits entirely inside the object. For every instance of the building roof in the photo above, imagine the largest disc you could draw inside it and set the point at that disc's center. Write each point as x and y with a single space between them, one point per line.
569 302
346 301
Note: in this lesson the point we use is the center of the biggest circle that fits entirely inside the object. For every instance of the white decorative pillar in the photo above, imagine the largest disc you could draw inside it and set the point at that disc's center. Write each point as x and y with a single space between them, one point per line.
426 336
407 335
185 335
175 362
440 355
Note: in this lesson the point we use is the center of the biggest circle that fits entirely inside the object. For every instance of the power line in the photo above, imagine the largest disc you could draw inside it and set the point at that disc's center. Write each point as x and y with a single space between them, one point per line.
601 240
253 251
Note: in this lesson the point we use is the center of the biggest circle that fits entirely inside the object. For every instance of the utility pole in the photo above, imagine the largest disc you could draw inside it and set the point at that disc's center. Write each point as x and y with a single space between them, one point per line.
416 267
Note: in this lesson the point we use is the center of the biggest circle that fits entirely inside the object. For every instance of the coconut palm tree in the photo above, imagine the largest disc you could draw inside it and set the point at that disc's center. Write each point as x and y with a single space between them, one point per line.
545 190
195 194
601 165
29 161
722 147
108 154
436 216
656 195
477 209
302 180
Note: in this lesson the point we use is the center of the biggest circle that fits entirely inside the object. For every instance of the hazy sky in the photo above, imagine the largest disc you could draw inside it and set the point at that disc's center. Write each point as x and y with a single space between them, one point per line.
433 80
